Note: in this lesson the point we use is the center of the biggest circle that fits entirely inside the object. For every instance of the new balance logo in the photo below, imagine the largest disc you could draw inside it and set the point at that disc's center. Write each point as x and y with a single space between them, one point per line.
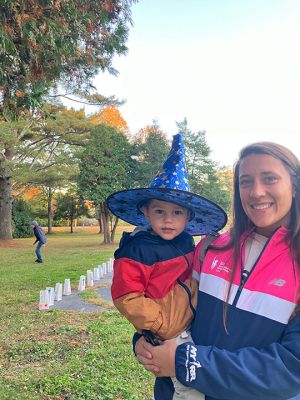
278 282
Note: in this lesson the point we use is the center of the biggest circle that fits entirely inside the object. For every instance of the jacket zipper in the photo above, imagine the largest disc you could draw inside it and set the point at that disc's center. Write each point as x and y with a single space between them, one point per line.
246 274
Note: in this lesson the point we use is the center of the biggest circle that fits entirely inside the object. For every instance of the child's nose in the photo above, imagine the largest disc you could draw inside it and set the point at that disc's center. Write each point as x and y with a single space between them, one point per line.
168 217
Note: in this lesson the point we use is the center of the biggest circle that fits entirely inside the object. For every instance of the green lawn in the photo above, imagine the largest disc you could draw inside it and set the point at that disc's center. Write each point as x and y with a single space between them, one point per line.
57 354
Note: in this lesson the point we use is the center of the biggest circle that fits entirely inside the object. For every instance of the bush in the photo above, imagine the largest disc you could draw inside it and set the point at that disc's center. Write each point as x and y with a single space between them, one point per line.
22 218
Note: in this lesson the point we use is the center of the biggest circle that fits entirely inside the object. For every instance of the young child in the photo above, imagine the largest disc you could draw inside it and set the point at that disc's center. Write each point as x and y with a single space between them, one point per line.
152 284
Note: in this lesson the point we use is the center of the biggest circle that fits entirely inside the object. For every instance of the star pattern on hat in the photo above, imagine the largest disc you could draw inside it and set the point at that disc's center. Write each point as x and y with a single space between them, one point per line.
170 184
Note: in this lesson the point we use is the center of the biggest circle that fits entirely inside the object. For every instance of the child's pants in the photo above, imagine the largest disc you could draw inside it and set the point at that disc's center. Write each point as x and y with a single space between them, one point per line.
184 392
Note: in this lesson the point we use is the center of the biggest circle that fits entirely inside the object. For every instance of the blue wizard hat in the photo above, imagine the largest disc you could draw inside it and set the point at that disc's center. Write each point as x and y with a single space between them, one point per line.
171 185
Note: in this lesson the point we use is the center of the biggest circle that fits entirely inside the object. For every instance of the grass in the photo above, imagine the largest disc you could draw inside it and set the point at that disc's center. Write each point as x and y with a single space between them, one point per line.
62 354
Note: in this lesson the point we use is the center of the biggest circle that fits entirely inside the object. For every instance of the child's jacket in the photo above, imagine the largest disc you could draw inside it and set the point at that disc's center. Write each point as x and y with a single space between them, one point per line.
152 285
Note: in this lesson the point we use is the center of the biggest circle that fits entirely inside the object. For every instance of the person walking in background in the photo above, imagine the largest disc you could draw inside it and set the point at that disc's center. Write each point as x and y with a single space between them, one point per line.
246 331
40 240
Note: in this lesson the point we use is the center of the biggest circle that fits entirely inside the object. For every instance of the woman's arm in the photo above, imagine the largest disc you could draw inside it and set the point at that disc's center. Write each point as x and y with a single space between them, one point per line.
269 373
249 373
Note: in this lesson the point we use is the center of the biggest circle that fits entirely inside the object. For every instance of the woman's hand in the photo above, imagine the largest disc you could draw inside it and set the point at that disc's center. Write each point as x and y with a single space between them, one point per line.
157 359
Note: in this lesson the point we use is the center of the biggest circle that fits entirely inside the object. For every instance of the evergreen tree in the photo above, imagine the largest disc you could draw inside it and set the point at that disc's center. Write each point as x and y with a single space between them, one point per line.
104 166
22 219
70 206
150 149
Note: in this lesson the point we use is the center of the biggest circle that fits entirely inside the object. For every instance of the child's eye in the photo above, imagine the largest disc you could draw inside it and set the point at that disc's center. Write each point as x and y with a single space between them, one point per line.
178 212
158 211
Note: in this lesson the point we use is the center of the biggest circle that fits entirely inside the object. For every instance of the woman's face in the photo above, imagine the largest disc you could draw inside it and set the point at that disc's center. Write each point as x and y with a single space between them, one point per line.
266 192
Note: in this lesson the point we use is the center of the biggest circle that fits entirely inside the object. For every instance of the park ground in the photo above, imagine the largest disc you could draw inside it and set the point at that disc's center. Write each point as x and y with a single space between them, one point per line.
56 354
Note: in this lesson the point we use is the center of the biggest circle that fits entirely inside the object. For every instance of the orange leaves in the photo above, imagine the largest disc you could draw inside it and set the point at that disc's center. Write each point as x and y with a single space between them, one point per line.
30 194
110 116
43 27
20 93
107 6
91 27
22 17
57 5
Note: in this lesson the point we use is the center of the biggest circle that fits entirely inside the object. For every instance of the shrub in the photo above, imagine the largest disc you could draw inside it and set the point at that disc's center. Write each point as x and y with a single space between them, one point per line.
21 219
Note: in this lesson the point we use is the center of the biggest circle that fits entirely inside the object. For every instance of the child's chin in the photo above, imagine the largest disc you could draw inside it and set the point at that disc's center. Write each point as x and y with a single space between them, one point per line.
168 235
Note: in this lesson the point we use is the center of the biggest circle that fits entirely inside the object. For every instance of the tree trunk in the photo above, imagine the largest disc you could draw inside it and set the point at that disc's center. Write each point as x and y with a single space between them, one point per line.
106 227
72 214
50 211
100 221
113 231
71 223
99 218
5 198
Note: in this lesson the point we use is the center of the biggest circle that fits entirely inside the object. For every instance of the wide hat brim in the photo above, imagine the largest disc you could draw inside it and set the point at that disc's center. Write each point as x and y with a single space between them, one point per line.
207 217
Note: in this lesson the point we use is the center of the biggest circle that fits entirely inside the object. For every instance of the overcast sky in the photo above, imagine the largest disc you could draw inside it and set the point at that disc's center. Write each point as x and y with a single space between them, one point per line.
231 67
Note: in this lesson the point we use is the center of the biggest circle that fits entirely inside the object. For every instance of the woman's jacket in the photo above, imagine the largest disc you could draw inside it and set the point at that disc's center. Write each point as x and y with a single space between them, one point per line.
258 358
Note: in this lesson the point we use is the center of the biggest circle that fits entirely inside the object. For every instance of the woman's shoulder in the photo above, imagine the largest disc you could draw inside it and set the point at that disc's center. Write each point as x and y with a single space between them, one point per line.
201 248
220 240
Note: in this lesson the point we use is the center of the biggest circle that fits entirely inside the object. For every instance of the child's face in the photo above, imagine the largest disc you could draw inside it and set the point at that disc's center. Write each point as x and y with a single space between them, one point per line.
167 220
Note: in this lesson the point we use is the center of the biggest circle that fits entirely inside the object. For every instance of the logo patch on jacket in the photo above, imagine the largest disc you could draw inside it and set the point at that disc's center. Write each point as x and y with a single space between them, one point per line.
277 282
219 267
191 363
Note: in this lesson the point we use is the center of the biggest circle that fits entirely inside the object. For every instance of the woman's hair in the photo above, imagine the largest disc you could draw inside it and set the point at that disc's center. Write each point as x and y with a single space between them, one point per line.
241 223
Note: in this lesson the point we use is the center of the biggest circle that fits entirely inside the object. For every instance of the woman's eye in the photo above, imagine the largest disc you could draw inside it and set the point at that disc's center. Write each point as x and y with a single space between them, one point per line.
245 182
270 179
158 211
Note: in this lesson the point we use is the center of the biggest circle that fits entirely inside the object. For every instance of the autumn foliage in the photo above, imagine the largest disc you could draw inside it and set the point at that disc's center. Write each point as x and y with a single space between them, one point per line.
110 116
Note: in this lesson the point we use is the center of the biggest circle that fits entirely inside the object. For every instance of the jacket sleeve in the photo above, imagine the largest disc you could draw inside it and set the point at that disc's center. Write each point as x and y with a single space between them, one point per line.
249 373
128 293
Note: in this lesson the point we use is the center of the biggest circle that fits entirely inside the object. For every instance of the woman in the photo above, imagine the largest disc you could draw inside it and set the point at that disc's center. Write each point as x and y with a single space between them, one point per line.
247 325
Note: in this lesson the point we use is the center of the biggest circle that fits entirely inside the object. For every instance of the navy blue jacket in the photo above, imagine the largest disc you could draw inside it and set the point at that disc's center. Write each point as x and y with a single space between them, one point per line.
39 234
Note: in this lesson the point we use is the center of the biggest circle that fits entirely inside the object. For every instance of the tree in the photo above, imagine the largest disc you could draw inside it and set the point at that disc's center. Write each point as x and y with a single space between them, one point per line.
70 206
104 166
46 160
22 219
150 148
205 176
45 45
110 116
43 42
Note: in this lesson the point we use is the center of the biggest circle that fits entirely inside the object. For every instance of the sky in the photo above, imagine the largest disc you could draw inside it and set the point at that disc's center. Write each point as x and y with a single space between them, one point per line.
231 67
